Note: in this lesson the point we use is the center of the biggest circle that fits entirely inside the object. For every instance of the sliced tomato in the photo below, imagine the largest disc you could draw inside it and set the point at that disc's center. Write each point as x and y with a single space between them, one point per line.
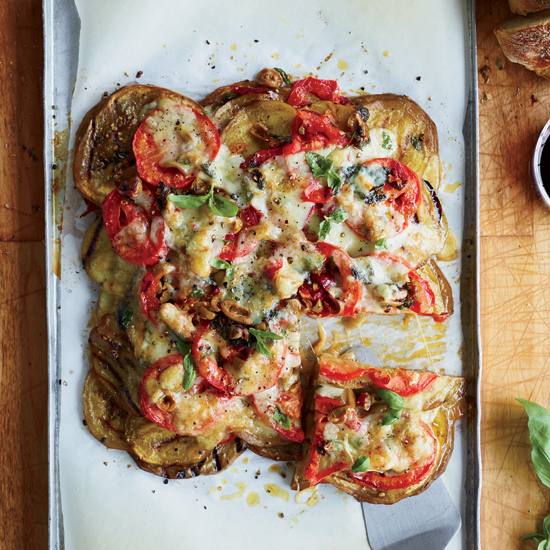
419 288
287 402
244 242
135 227
237 370
327 90
400 481
341 371
164 401
324 404
309 131
148 294
316 192
401 193
401 381
173 144
315 295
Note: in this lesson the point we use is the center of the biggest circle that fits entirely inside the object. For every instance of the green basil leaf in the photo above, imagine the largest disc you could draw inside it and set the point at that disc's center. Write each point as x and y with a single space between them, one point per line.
386 141
393 416
499 63
222 206
262 348
196 293
286 78
334 181
546 526
324 229
394 400
543 545
320 166
126 318
282 419
183 347
533 536
188 201
381 244
362 464
337 216
415 142
189 372
218 263
265 334
539 436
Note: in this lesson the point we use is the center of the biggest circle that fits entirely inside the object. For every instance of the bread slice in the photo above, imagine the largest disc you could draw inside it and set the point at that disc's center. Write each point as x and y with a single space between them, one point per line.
526 40
523 7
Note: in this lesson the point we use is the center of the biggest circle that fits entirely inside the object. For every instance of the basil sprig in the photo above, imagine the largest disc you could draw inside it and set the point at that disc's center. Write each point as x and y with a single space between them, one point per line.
188 367
125 318
218 263
322 167
260 335
219 205
396 403
415 142
362 464
539 437
336 216
196 293
282 419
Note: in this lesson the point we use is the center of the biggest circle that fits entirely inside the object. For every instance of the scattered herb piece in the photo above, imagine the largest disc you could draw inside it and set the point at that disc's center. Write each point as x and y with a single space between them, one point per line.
386 141
336 216
125 318
282 419
499 63
196 293
260 335
189 371
362 464
415 142
286 78
381 244
218 263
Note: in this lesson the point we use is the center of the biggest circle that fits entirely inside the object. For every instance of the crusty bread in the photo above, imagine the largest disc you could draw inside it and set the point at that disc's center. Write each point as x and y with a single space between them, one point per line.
526 40
523 7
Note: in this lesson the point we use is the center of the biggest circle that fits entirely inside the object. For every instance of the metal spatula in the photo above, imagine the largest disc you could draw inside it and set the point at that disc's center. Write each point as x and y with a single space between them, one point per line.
427 521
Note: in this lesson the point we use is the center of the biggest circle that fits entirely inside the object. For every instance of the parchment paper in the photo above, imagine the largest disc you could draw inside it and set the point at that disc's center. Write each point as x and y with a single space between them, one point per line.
412 47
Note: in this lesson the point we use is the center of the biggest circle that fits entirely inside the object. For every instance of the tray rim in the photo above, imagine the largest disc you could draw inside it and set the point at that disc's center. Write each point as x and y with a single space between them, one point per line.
61 26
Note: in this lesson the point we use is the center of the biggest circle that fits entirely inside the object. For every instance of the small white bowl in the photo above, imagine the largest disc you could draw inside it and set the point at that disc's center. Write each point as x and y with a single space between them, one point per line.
534 166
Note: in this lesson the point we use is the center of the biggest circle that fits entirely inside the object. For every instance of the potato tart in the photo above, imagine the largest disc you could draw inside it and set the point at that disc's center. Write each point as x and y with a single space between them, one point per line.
220 224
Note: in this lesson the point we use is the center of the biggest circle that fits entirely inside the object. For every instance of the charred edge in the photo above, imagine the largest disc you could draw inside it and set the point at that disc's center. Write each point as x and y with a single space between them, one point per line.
240 445
435 199
116 139
181 474
216 458
91 248
196 469
129 399
92 148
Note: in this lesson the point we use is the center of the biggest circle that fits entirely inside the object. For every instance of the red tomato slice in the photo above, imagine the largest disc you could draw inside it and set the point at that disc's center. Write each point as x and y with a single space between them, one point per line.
243 371
315 295
324 404
148 294
244 242
419 289
135 227
401 381
164 402
172 144
403 195
341 371
327 90
316 192
401 481
289 402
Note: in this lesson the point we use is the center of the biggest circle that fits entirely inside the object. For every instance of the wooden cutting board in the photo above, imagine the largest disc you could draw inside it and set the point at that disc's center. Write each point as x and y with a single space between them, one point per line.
515 285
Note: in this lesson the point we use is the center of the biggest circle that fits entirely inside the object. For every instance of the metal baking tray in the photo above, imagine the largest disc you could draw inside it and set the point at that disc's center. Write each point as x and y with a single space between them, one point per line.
61 41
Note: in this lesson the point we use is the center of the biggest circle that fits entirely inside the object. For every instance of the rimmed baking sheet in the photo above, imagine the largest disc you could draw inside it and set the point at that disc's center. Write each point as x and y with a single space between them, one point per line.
98 498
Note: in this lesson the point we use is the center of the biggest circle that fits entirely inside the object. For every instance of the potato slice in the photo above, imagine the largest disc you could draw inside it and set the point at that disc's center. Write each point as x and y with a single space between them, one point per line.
103 155
417 143
276 116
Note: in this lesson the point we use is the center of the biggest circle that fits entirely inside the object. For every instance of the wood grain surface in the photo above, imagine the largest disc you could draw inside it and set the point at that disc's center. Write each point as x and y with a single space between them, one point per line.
515 285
